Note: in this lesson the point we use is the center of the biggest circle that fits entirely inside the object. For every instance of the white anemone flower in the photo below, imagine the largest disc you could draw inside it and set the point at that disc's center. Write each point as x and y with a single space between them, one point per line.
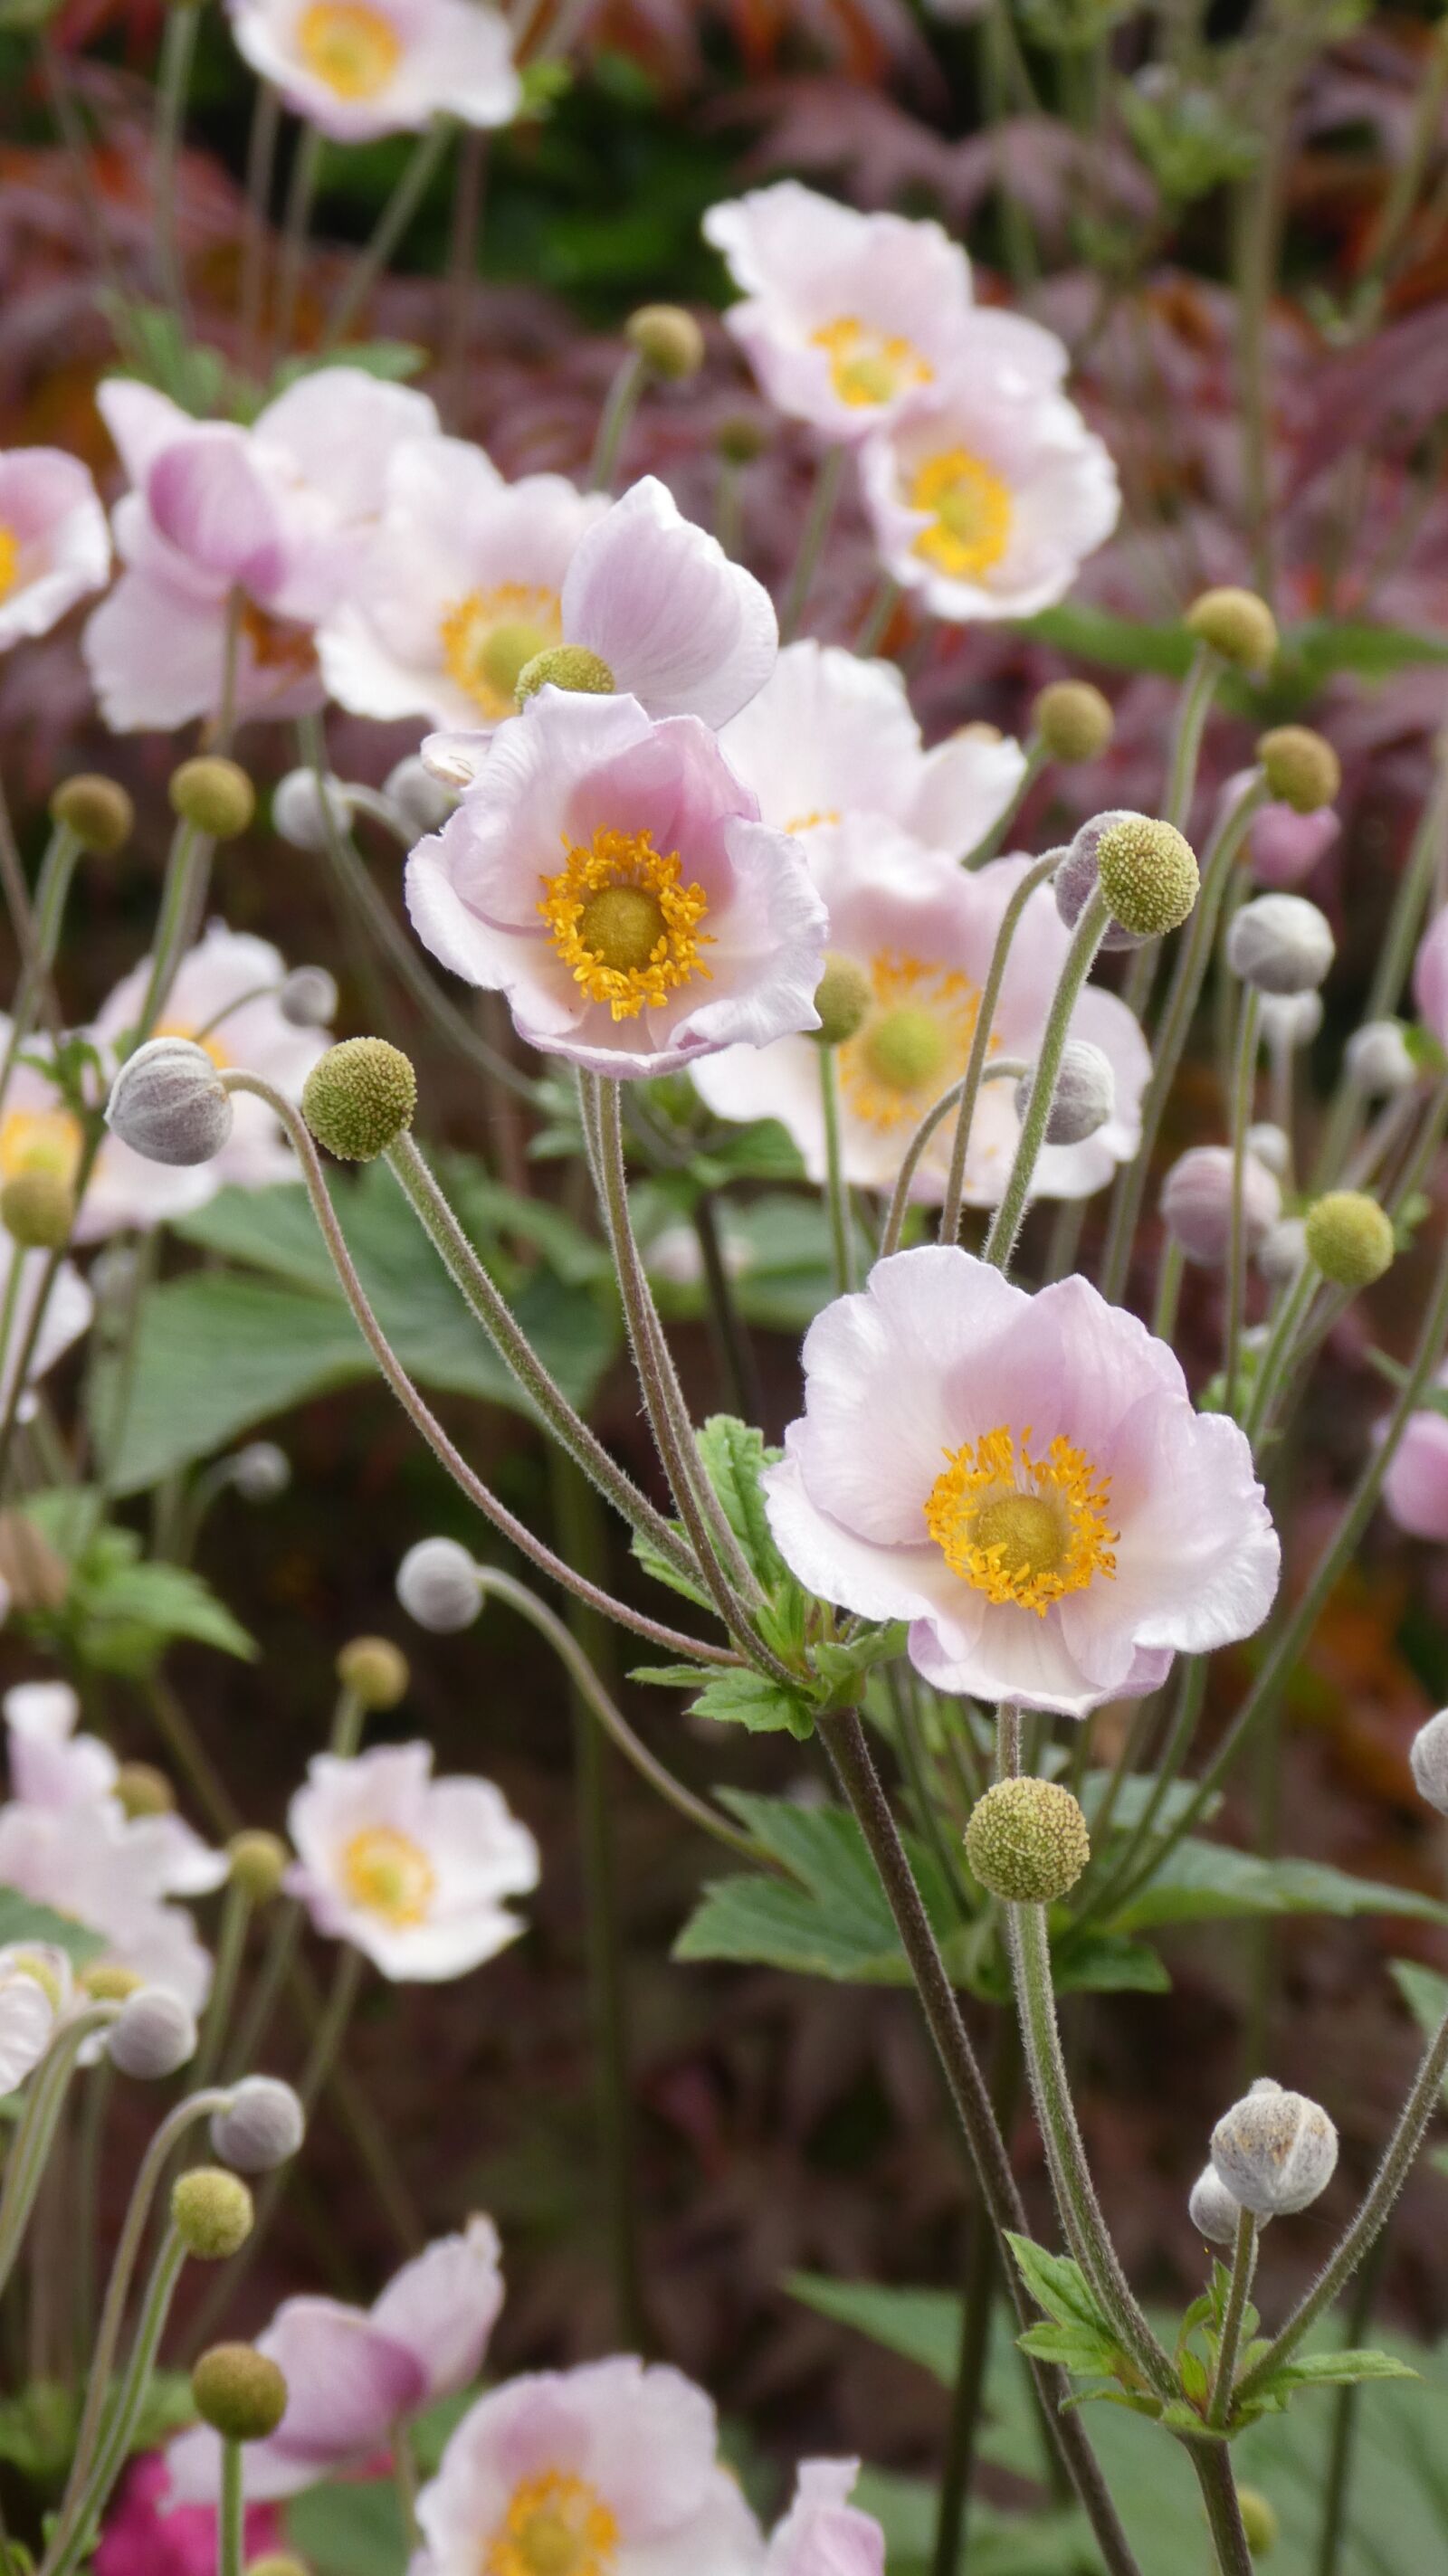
359 68
114 1876
55 546
36 1987
413 1871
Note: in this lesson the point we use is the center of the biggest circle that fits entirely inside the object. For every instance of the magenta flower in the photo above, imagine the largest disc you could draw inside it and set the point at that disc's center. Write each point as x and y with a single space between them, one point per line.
55 546
823 2534
143 2538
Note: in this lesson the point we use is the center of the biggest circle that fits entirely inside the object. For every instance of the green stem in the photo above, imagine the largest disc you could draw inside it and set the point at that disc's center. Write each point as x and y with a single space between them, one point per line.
950 1214
821 511
52 889
1244 2264
74 2537
190 853
1168 1289
261 155
236 1913
990 840
1198 691
1086 938
1243 1089
836 1186
1213 2465
35 2132
981 2287
623 401
301 190
877 616
231 2520
390 227
178 53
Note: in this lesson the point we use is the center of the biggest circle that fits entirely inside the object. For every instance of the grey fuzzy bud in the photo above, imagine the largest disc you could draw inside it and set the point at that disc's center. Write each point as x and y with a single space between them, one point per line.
1075 880
1282 1251
169 1103
1212 2210
308 998
262 2126
1428 1754
1281 943
309 812
1268 1146
1378 1061
1196 1203
261 1471
439 1586
1274 2151
153 2034
1291 1019
1085 1094
113 1275
419 795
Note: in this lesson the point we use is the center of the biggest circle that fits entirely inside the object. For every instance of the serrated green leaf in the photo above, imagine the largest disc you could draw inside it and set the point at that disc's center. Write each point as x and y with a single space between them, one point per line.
734 1456
674 1676
1107 1963
123 1622
1058 2284
1194 2379
1088 2356
1334 2370
1201 1881
752 1700
918 2325
828 1918
663 1571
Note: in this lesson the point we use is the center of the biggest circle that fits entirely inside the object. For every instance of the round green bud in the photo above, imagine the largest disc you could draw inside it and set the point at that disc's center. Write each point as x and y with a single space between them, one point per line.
1073 720
258 1865
212 2212
1350 1238
668 339
1238 625
37 1210
843 997
1148 874
739 441
97 810
107 1982
1301 769
565 666
1027 1841
213 794
239 2392
1260 2525
375 1670
143 1790
359 1098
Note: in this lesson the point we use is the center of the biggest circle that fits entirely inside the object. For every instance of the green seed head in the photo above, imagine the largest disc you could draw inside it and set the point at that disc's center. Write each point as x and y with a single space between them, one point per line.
842 999
668 339
905 1048
1350 1238
239 2392
359 1098
37 1210
213 794
97 810
1148 874
1238 625
1073 720
375 1669
212 2213
258 1865
566 666
1259 2522
143 1790
1027 1841
1301 769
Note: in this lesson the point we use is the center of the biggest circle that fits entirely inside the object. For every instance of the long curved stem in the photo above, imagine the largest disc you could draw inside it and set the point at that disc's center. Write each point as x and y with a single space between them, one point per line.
1243 1085
950 1213
391 224
1086 938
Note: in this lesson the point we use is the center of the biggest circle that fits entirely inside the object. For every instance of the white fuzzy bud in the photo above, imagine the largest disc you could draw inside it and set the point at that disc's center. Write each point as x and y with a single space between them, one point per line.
262 2126
153 2034
309 812
1428 1754
1274 2151
1270 1147
1282 1251
439 1586
169 1103
1085 1093
1291 1019
1212 2210
261 1471
1378 1061
1281 943
1196 1204
1078 875
420 797
308 998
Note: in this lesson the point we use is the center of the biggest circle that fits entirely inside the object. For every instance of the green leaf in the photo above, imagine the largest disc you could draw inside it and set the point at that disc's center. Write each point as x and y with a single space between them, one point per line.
734 1458
1107 1963
350 2529
1200 1881
1058 2285
1425 1993
659 1567
752 1700
1087 2356
24 1922
393 360
829 1918
1336 2370
919 2325
674 1676
125 1621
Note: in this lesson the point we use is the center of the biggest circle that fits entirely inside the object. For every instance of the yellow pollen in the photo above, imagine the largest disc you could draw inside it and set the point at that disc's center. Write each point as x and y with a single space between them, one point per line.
39 1140
555 2525
818 814
206 1039
353 48
970 510
624 923
9 560
869 366
491 635
387 1873
915 1043
1020 1529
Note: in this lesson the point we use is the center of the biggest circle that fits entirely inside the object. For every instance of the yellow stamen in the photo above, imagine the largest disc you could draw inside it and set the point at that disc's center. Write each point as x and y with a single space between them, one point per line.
489 636
869 366
555 2525
624 923
1021 1529
915 1043
387 1873
9 560
970 509
39 1140
353 48
818 814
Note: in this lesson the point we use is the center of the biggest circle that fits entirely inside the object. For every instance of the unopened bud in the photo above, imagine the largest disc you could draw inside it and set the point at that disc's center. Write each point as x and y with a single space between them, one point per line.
1260 2527
169 1103
668 339
1281 943
421 799
1282 1251
214 794
1270 1146
1196 1204
439 1586
1378 1060
1274 2152
1026 1839
239 2392
143 1790
97 810
1085 1093
1072 720
1428 1754
1301 769
154 2035
1350 1238
844 997
260 1471
310 812
37 1210
1238 625
1212 2210
375 1670
263 2125
360 1098
308 998
1290 1020
258 1864
741 439
566 666
212 2213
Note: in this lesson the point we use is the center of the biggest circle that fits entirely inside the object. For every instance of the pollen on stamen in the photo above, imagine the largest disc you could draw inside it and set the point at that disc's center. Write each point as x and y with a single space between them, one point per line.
1024 1530
624 923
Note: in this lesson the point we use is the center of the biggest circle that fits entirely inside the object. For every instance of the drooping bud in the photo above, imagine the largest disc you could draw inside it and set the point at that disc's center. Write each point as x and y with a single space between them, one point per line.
1301 769
1274 2151
97 810
1260 2526
421 798
1196 1204
1281 943
261 1471
1271 1147
566 666
143 1790
1350 1238
239 2392
1378 1061
214 794
258 1864
1282 1251
1290 1020
1072 720
1428 1754
169 1103
668 339
154 2035
37 1210
359 1098
308 812
843 998
263 2125
212 2213
1085 1093
439 1586
308 998
1212 2210
1238 625
1027 1841
375 1670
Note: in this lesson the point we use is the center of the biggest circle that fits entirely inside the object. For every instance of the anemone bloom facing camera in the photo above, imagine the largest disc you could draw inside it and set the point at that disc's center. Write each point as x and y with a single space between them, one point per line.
612 877
1025 1480
415 1872
55 546
359 68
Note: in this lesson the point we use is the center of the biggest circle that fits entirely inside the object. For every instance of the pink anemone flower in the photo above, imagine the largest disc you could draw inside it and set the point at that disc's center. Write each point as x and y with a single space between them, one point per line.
1430 977
413 1871
823 2534
142 2538
360 68
1415 1488
612 877
55 547
1022 1478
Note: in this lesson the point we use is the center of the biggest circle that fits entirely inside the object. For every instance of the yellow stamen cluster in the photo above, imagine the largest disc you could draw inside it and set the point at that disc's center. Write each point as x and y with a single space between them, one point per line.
869 366
353 48
9 560
914 1044
624 923
39 1140
555 2525
817 814
1022 1529
387 1873
490 636
970 510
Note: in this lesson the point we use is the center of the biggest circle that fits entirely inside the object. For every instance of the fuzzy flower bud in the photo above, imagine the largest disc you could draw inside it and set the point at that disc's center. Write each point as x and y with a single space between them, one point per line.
169 1103
1301 769
262 2126
1282 1251
97 810
1260 2526
668 339
1274 2151
239 2392
214 794
1281 943
261 1471
422 801
1072 720
212 2213
1212 2210
1196 1203
37 1210
375 1670
1270 1146
566 666
308 812
258 1864
1350 1238
1236 624
1378 1060
439 1586
843 999
1085 1093
1428 1754
308 998
1291 1020
153 2036
359 1098
143 1790
1027 1841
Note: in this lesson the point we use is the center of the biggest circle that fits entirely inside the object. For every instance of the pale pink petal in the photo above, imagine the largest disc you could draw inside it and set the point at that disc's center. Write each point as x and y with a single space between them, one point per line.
682 629
443 2306
824 2534
210 500
1415 1488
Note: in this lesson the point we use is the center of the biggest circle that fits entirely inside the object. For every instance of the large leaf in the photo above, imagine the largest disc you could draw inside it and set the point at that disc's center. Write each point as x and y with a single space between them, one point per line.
827 1918
23 1921
1199 1881
349 2529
